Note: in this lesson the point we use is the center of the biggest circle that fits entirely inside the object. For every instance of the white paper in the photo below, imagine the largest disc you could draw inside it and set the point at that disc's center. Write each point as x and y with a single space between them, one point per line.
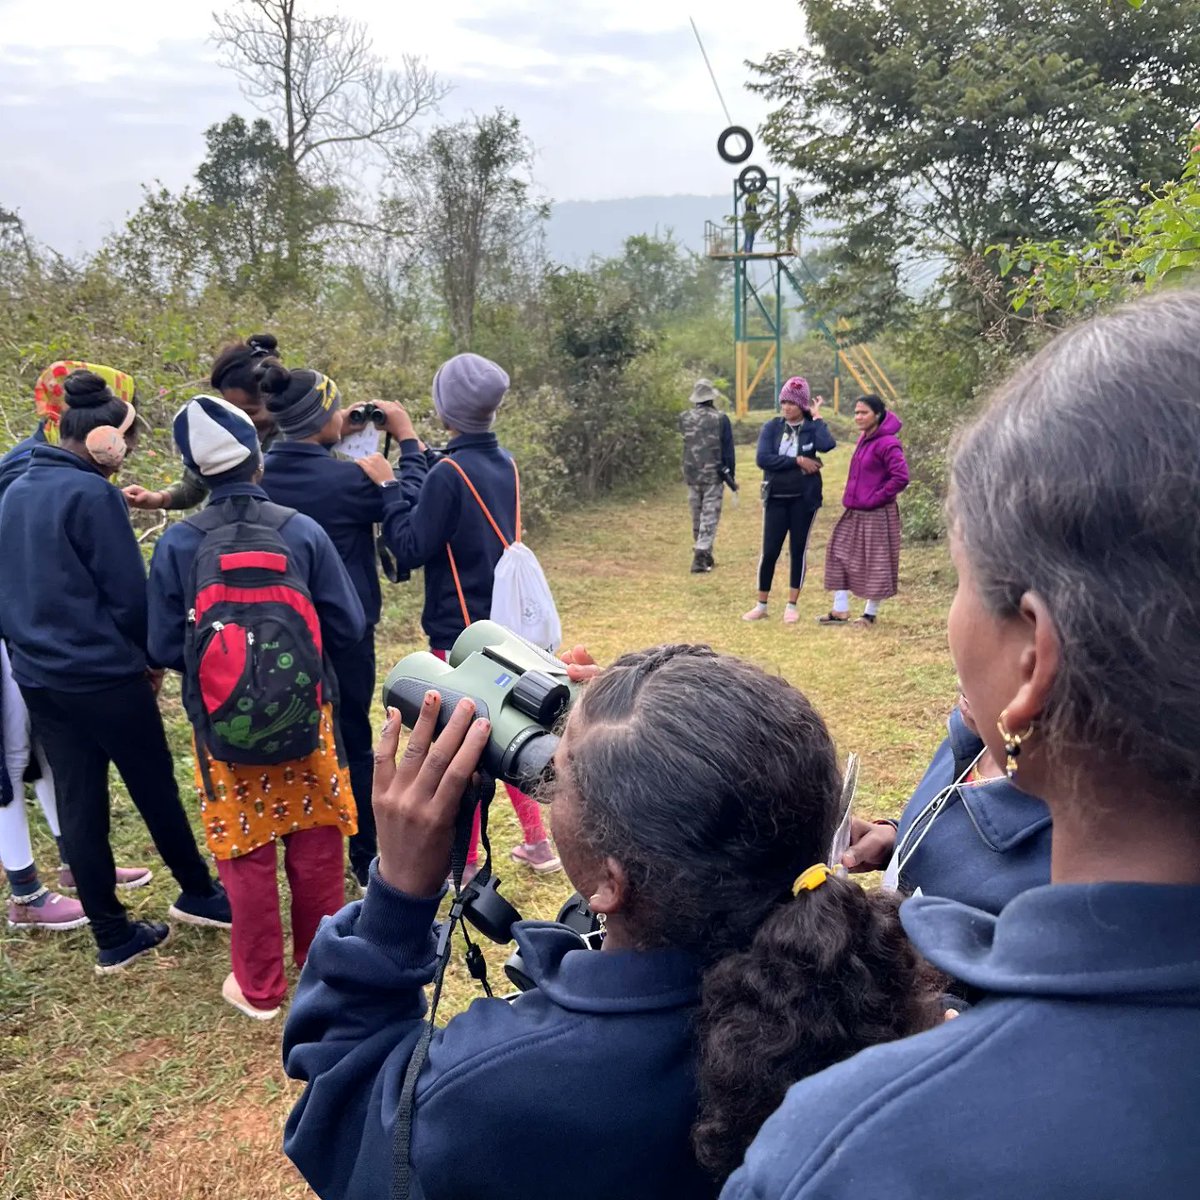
891 877
360 444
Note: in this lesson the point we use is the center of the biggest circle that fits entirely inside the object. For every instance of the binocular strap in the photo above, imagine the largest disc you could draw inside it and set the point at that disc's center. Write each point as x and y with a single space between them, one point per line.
480 795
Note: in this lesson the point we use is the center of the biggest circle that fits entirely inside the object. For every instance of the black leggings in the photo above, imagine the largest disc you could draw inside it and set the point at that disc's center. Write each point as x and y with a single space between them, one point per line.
782 517
82 733
355 668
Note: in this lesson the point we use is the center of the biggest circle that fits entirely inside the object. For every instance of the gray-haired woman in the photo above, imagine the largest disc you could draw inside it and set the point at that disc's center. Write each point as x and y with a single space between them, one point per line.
1076 634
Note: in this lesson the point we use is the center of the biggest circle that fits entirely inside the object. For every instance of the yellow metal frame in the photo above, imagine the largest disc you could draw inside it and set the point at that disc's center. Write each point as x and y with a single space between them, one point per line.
745 385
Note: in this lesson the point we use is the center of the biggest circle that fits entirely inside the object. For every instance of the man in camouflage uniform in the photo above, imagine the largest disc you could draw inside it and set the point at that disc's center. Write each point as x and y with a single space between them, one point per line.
708 461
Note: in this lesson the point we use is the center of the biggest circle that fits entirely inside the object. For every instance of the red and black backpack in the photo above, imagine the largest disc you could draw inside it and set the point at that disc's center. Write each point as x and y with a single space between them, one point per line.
255 671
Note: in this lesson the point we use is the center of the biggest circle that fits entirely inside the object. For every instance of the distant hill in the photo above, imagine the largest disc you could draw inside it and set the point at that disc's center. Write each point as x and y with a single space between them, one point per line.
578 229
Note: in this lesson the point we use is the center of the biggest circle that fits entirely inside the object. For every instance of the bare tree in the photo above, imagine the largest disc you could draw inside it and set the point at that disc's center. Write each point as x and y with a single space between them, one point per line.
472 188
319 79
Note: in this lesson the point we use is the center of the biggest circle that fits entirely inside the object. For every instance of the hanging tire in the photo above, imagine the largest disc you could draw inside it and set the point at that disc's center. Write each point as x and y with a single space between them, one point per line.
735 131
752 179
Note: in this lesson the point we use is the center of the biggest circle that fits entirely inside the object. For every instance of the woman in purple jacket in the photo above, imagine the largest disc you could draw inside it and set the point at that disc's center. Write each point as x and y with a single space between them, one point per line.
863 555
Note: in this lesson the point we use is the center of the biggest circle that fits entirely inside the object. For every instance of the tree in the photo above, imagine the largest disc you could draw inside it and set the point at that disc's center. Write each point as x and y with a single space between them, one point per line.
331 101
940 127
478 214
667 282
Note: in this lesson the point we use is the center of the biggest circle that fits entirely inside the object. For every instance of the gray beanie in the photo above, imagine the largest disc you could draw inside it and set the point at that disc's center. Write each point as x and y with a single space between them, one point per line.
467 390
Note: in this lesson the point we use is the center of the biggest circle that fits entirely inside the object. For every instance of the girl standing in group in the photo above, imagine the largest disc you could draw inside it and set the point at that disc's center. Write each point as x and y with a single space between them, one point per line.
235 376
76 633
787 456
305 803
863 555
303 473
470 503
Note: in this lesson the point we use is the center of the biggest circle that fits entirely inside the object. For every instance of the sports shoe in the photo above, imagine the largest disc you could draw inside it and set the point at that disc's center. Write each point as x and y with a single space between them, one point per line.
700 563
790 615
234 995
755 614
127 877
539 856
146 935
55 912
212 910
708 558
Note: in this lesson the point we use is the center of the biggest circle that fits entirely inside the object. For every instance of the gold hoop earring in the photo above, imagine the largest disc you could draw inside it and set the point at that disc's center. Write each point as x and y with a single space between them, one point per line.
1012 744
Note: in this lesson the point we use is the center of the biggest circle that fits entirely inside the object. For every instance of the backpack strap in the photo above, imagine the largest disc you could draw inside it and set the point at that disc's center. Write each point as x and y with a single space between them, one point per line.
458 587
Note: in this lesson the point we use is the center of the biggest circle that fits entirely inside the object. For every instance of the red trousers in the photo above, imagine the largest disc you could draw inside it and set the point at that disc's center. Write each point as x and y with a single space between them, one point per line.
312 859
529 811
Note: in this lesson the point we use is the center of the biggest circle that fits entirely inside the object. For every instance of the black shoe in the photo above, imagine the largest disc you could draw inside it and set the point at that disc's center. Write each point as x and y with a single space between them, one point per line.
211 910
700 563
712 562
146 935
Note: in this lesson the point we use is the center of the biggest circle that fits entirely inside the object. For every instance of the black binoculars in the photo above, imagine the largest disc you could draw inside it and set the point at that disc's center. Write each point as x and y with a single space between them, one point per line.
364 413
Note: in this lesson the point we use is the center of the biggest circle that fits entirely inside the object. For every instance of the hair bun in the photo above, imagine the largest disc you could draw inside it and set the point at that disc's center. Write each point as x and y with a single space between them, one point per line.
273 380
262 344
85 389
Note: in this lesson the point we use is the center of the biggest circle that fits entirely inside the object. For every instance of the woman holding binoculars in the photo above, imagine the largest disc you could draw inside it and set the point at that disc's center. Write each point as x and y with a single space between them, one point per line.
693 799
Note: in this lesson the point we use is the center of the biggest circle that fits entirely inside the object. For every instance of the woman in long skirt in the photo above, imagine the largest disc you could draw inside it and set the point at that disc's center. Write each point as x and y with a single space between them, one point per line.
863 555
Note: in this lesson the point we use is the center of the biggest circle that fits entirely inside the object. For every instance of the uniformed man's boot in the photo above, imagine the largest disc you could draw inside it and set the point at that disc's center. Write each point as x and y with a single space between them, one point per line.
700 563
708 558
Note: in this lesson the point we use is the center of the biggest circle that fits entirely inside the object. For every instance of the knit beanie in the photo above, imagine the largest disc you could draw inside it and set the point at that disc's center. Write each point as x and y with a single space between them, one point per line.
795 390
217 440
704 392
467 390
300 401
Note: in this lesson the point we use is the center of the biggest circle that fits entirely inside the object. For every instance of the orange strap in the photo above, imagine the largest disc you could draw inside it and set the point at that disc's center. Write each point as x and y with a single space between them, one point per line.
462 599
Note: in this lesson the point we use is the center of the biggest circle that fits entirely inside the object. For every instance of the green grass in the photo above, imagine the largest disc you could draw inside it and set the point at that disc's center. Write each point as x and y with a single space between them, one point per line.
148 1085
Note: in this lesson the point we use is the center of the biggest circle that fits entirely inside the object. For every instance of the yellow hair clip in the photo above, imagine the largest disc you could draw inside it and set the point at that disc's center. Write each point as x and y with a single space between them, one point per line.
811 879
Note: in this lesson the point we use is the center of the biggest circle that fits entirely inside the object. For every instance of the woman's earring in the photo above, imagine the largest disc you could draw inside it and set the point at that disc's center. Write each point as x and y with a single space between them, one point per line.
1012 744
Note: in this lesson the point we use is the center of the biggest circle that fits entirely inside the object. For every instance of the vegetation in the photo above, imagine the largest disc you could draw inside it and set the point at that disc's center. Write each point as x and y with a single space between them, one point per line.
147 1084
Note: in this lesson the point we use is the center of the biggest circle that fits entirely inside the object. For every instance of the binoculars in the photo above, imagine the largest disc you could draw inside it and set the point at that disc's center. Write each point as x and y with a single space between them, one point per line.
363 414
520 688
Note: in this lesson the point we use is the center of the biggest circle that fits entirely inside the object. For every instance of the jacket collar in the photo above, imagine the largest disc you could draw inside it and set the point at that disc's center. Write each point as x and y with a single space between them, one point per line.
1003 815
620 981
56 456
285 447
1098 941
228 490
472 441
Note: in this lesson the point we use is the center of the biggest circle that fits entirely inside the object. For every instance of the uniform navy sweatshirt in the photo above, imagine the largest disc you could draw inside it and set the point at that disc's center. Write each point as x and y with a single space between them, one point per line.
785 478
343 500
581 1088
13 464
316 561
72 580
447 514
986 843
1075 1078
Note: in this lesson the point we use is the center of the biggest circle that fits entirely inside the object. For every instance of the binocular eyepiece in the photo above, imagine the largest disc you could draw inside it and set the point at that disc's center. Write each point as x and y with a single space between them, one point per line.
363 414
524 691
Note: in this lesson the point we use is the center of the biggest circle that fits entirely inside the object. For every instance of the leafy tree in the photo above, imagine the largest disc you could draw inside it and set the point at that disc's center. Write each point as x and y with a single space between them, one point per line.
471 185
940 127
1132 249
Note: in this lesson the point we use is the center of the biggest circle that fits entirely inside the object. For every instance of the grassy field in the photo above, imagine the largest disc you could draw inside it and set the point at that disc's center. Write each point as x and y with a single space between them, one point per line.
148 1085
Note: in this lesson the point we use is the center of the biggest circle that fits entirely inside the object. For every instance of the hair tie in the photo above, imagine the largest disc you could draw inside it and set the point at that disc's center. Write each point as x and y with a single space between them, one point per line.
811 879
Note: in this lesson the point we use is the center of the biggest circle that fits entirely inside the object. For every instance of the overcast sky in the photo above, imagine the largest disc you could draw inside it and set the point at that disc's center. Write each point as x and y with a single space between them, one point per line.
97 98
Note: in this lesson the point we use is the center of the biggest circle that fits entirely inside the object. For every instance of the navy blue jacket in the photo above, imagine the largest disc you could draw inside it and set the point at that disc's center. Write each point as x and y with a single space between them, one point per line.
785 478
447 514
342 499
988 843
316 560
72 580
1074 1079
13 464
582 1088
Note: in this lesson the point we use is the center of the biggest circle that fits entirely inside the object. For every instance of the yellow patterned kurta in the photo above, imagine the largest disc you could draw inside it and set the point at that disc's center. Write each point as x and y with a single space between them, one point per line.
254 805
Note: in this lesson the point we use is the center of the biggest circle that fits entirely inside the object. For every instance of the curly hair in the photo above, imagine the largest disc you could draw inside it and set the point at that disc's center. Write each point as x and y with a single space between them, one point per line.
715 785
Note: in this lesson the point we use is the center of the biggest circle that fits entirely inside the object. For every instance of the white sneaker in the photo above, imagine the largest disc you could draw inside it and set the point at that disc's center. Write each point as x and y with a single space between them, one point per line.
235 996
755 614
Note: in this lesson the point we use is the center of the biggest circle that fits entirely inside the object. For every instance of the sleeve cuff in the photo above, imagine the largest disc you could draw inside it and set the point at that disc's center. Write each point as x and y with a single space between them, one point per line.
410 448
397 923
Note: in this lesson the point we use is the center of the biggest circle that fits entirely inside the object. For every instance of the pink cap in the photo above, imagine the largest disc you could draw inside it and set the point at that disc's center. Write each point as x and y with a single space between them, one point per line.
795 390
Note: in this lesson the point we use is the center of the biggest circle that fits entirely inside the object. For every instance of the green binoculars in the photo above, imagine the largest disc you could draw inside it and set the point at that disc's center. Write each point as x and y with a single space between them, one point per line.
521 689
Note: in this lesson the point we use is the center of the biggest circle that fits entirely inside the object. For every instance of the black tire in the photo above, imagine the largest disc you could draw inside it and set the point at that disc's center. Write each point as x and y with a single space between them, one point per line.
735 131
752 179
